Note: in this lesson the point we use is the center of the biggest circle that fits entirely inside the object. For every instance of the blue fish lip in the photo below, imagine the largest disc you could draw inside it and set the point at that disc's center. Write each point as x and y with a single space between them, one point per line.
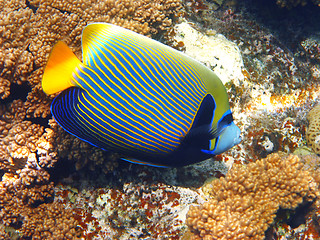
228 138
238 139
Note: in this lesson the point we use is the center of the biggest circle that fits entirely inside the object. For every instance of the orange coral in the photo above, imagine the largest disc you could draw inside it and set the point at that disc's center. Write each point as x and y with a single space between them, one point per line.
244 203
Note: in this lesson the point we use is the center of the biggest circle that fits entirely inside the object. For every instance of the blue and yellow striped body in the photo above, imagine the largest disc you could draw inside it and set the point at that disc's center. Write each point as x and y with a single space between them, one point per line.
140 98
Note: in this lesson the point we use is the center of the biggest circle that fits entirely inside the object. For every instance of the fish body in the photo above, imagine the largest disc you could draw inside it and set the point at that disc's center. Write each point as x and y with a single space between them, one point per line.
138 97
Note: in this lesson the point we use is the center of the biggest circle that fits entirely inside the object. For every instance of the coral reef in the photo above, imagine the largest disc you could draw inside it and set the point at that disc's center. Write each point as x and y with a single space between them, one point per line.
134 211
80 153
278 85
244 203
303 222
313 131
29 145
213 50
271 89
311 47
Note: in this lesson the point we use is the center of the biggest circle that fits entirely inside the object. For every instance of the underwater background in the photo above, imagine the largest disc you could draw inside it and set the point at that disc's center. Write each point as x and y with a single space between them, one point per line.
267 54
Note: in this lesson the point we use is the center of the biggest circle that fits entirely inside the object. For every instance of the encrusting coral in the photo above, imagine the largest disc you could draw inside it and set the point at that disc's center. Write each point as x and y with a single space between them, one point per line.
313 131
28 145
244 203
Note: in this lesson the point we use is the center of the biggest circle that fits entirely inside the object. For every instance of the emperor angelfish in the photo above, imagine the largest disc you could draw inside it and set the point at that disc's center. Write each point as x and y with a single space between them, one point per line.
140 98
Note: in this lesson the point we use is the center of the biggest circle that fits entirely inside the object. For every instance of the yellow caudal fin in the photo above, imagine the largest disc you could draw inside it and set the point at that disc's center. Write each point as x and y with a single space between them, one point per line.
57 74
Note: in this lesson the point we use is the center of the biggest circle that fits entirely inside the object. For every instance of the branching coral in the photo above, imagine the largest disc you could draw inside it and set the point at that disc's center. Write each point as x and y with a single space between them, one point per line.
244 203
79 152
313 131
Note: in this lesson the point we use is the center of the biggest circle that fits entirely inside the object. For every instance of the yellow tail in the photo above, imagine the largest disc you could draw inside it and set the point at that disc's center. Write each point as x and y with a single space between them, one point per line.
58 72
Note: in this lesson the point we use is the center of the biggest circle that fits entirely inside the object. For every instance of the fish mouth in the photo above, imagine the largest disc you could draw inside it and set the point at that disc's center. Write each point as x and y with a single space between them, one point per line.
237 140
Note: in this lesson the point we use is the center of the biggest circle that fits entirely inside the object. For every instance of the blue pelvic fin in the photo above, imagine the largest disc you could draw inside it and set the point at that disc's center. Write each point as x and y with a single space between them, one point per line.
132 160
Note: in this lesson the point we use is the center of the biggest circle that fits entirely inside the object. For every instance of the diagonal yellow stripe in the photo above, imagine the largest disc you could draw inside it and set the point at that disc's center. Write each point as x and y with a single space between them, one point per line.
174 135
138 82
116 115
138 96
120 43
97 131
192 74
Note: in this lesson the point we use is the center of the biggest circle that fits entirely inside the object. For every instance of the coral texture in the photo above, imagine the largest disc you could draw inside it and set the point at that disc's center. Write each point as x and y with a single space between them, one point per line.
313 131
21 219
244 203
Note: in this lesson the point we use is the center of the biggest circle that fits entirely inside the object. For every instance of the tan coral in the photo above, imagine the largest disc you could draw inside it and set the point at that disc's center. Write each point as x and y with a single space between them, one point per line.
47 221
51 221
313 130
4 88
244 203
27 34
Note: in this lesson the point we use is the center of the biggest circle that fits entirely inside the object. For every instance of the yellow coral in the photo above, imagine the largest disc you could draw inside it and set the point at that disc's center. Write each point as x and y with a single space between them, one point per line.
244 203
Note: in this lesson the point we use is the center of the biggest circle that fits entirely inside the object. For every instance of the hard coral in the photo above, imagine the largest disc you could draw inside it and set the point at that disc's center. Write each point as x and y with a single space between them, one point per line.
311 47
47 221
244 203
313 131
80 153
27 33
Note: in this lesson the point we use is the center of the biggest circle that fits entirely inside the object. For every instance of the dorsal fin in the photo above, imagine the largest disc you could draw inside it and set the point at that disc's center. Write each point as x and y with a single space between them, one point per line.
89 35
105 33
